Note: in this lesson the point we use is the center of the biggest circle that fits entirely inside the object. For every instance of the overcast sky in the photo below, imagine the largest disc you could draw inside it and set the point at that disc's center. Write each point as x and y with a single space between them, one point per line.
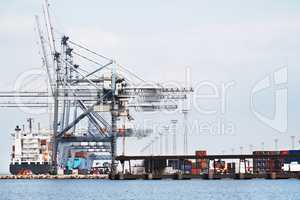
222 42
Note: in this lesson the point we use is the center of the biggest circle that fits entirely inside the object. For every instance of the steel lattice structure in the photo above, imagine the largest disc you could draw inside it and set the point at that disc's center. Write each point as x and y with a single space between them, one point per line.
79 91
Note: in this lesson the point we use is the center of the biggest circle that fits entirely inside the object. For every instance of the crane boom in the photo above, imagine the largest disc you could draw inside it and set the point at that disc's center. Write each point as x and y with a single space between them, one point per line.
45 58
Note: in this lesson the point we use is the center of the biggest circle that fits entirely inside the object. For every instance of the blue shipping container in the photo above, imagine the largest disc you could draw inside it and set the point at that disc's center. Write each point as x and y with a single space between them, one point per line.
76 163
289 160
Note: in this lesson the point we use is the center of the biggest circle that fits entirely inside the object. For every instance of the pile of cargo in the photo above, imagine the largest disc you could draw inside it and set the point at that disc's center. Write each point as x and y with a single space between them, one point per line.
291 164
266 165
203 165
155 166
180 165
200 166
280 164
78 164
220 167
85 163
277 161
231 169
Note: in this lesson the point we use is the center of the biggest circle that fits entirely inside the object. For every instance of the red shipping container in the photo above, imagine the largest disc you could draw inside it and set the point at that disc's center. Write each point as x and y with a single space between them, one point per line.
195 171
194 165
284 152
43 142
80 154
201 153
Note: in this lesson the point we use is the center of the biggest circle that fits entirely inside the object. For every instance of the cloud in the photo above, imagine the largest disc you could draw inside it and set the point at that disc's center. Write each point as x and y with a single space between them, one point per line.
206 47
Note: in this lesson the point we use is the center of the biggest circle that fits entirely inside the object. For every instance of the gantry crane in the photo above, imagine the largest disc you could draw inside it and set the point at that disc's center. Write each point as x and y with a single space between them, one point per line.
88 85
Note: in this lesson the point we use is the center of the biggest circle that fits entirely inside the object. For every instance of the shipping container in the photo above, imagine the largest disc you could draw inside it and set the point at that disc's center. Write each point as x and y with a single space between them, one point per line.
175 164
231 168
284 152
83 164
186 167
295 167
43 142
201 153
286 167
69 163
266 152
290 160
195 171
76 163
203 164
264 165
292 167
81 154
294 152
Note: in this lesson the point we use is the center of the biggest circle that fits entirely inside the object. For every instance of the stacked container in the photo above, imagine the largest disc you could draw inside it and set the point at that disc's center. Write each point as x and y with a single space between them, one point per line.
200 164
231 168
266 165
291 164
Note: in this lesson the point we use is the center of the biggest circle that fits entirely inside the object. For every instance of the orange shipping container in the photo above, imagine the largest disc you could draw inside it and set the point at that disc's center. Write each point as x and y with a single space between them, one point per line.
203 164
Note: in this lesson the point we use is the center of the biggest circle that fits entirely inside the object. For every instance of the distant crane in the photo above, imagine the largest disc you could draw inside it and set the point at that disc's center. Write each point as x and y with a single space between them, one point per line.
276 144
293 142
185 134
166 132
174 122
241 149
160 143
262 146
251 148
232 151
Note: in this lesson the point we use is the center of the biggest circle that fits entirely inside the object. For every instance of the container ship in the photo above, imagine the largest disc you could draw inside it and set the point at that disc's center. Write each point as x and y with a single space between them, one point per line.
31 154
31 151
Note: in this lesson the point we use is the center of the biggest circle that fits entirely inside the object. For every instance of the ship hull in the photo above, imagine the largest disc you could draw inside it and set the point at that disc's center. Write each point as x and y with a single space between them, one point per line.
34 168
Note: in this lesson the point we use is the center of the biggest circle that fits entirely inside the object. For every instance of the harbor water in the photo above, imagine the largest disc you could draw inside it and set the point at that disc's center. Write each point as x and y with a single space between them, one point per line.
150 190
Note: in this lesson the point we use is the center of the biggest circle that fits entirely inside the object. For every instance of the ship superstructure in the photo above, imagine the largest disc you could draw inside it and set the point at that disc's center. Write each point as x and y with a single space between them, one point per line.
31 150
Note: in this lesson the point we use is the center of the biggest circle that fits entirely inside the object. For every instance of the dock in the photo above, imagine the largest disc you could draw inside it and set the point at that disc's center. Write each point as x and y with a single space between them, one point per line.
149 176
34 177
178 176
